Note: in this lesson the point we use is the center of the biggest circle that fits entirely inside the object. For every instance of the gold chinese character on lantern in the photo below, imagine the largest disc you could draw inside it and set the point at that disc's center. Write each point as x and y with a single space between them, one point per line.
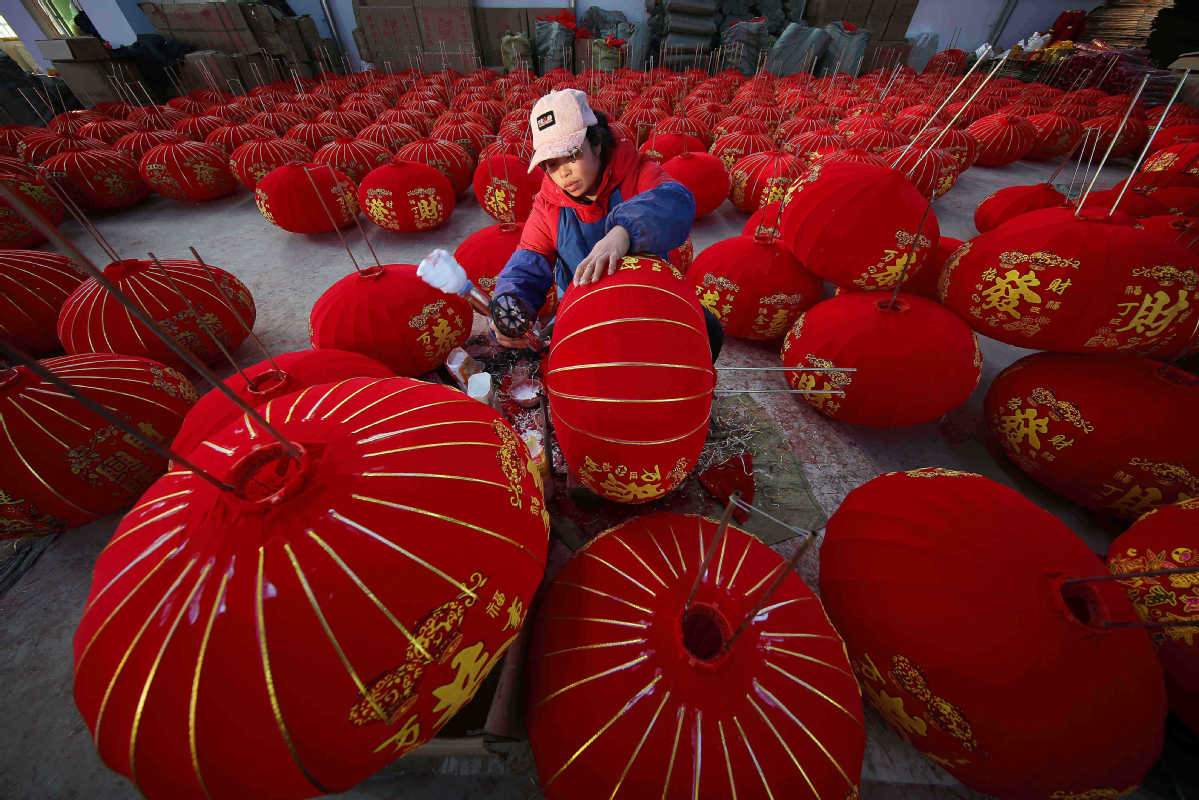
1009 290
1022 425
1154 313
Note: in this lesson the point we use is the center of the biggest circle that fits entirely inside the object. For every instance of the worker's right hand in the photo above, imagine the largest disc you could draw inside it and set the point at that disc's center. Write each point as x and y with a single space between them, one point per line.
520 343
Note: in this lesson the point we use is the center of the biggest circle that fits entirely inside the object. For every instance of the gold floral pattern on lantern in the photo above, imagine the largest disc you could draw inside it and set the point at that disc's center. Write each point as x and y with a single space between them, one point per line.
909 683
717 294
623 484
441 328
1167 598
821 384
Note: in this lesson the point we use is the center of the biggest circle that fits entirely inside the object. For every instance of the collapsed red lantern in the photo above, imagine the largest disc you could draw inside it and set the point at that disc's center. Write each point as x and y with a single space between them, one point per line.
191 301
253 160
1063 419
947 555
630 381
188 171
306 198
33 287
391 315
673 712
98 180
406 196
64 465
895 383
704 176
485 253
359 554
1012 201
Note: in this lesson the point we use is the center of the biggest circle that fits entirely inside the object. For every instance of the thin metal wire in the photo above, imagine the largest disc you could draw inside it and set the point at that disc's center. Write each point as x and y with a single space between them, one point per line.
1111 145
332 221
787 369
233 308
750 507
717 537
1149 142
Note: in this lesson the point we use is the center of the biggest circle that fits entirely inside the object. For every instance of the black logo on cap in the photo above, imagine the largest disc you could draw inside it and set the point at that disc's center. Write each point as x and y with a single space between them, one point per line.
545 120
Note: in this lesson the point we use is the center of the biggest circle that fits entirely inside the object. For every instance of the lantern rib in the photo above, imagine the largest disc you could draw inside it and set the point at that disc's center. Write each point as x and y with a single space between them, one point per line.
679 549
595 646
596 676
641 743
784 745
193 749
770 574
724 541
347 399
388 434
296 402
674 748
430 446
610 440
620 713
811 689
390 417
783 603
151 279
160 499
775 701
623 401
37 424
312 409
753 757
770 648
699 753
728 763
29 289
621 622
621 573
55 411
21 457
640 560
132 563
122 394
662 553
465 478
593 590
622 320
444 518
737 569
610 287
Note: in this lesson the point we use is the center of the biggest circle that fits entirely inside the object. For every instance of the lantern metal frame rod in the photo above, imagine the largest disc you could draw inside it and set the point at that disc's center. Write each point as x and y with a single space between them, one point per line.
785 569
722 529
944 103
1086 138
752 509
13 353
1111 145
1149 142
336 228
233 308
941 133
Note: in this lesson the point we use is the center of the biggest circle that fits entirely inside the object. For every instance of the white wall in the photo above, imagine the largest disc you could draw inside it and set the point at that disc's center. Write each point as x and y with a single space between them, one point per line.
1038 15
976 18
117 21
343 18
26 29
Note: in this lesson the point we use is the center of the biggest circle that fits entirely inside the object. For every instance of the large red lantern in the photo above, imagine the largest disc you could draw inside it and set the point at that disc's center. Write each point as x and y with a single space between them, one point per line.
450 159
306 198
345 605
15 230
406 196
352 157
470 136
753 286
662 147
674 709
957 143
1056 135
1175 158
1064 420
1012 201
947 555
858 225
280 122
932 172
1002 139
98 180
1167 538
314 135
762 178
352 121
63 465
704 176
390 136
33 286
1090 283
198 127
732 147
1132 136
253 160
505 188
813 145
391 315
485 253
93 321
895 383
230 137
107 130
630 381
136 145
36 147
188 171
277 376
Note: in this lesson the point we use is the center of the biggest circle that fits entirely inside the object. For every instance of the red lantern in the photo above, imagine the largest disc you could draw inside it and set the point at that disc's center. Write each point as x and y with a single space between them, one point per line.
1064 420
942 551
107 130
662 147
229 137
505 188
450 159
1164 539
895 384
392 316
37 147
277 376
1134 204
1175 158
795 126
1012 201
858 225
93 321
352 157
682 256
960 145
753 286
187 171
1131 138
306 198
11 136
878 140
813 145
156 118
762 178
417 120
704 176
853 155
136 145
314 135
485 253
522 149
1179 134
470 136
630 398
15 230
1056 136
254 160
668 712
1090 283
98 180
280 122
763 222
1176 199
384 586
685 125
406 196
63 465
196 128
1002 139
932 172
737 124
33 287
391 136
352 121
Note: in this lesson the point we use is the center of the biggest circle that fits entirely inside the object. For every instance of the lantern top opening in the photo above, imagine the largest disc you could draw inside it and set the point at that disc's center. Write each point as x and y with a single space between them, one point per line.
268 474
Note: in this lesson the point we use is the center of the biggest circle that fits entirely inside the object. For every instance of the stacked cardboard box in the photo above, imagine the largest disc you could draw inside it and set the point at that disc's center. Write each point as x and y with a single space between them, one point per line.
886 20
409 33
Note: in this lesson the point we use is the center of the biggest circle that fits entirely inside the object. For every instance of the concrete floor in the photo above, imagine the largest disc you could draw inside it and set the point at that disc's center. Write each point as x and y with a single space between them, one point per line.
45 749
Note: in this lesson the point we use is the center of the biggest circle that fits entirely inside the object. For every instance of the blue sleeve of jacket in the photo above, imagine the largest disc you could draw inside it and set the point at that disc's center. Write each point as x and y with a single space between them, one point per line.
528 275
658 220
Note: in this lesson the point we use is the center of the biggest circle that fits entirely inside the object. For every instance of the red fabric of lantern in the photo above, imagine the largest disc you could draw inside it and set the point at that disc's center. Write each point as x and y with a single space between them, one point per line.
11 136
198 127
1012 201
704 176
485 252
253 160
878 140
630 381
1175 158
896 383
1056 135
230 137
63 465
1134 204
662 147
98 180
314 135
15 230
1091 283
673 713
391 136
753 286
1130 140
352 121
1002 139
360 556
932 172
762 178
37 147
942 551
957 143
107 130
857 225
470 136
406 196
1064 420
450 159
187 171
136 145
33 287
813 145
392 316
352 157
505 188
306 198
93 321
278 121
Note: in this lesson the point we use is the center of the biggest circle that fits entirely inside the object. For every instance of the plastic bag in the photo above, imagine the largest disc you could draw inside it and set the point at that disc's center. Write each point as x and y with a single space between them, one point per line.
515 49
744 42
846 48
555 44
797 49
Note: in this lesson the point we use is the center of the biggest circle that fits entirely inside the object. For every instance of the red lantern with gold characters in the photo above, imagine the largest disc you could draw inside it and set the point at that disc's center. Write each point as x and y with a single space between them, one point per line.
858 225
762 178
1012 201
505 188
1089 283
406 196
1167 538
391 315
1111 433
1056 135
630 381
33 286
306 198
63 465
753 286
354 158
950 590
187 171
98 180
679 708
448 158
328 614
15 230
914 360
253 160
1175 158
1002 139
485 253
172 293
136 145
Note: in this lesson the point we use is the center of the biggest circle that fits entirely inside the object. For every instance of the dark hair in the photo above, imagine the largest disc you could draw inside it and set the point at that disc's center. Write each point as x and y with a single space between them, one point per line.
600 137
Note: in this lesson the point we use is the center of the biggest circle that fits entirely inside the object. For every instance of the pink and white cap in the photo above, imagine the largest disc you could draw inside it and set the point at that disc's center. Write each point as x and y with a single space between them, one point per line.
559 121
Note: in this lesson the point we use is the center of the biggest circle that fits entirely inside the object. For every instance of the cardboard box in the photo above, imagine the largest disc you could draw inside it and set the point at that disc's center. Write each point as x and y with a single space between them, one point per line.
89 80
206 26
77 48
387 33
202 68
447 22
464 60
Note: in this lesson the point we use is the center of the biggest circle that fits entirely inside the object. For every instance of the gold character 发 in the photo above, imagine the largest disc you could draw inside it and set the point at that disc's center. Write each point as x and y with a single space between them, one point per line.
1010 289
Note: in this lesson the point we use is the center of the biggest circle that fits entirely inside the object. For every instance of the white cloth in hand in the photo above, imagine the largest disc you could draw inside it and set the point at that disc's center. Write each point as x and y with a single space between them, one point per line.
441 271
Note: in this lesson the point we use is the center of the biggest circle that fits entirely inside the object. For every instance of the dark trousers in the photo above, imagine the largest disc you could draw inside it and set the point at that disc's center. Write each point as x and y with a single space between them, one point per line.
715 334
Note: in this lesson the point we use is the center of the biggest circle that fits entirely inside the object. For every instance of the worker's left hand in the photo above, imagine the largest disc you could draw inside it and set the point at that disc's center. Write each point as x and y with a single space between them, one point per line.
604 258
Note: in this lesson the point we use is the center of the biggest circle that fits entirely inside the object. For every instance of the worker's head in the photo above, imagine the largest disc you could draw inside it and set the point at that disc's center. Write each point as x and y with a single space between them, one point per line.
571 142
